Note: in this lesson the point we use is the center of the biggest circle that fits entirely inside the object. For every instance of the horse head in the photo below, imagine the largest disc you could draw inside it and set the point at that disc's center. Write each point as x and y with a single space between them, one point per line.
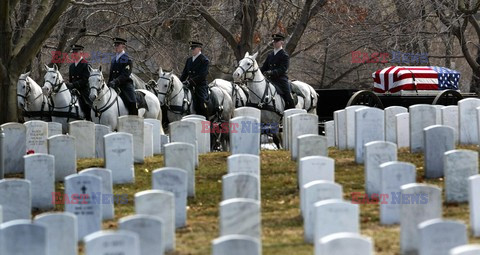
165 85
53 80
247 67
96 82
23 89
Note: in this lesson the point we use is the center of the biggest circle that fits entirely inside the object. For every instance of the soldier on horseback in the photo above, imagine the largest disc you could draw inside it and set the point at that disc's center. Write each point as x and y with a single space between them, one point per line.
120 70
275 68
194 76
78 79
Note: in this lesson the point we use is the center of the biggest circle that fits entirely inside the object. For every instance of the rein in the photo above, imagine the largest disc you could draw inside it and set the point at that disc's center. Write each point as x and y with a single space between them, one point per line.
98 111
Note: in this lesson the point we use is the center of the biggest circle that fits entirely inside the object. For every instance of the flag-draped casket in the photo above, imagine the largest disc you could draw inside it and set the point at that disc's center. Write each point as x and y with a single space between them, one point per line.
396 78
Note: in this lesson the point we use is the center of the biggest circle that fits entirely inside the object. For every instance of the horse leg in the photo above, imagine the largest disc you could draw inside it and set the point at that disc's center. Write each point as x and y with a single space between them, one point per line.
277 139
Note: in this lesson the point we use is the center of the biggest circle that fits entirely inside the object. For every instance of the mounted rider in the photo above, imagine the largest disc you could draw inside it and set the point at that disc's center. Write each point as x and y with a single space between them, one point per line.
119 78
275 68
78 79
194 76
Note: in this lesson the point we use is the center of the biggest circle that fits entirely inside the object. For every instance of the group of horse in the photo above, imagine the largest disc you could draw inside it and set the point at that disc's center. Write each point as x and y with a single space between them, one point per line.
54 101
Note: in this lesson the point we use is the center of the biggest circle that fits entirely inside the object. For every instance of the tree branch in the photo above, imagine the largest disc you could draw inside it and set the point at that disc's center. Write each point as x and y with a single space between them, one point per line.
99 3
220 29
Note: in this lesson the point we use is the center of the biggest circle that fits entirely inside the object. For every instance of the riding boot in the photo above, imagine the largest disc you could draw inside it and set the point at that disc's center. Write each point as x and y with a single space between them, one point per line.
289 103
132 108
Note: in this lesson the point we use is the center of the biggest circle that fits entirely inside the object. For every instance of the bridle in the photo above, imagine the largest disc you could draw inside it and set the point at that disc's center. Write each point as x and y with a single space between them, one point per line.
27 88
98 89
169 86
56 86
247 71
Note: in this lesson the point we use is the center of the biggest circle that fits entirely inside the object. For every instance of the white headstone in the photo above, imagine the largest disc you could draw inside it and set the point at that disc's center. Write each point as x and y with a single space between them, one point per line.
182 155
474 203
243 163
15 199
164 139
36 136
403 130
174 180
340 129
376 153
286 131
392 176
202 134
148 139
302 124
245 135
40 171
2 154
240 185
22 237
61 232
119 157
369 127
134 125
450 119
334 216
112 242
150 232
184 132
437 236
390 122
84 193
15 146
108 199
459 165
313 192
247 112
100 132
312 145
344 244
421 116
350 124
157 131
240 216
468 249
419 202
467 120
236 245
84 133
438 140
62 148
330 133
54 128
159 203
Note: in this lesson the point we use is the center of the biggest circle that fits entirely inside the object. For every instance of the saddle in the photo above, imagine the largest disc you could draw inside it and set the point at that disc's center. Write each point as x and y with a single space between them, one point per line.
213 106
141 102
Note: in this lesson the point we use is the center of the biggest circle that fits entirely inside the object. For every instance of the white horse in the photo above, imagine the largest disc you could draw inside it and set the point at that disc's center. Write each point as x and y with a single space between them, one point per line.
178 102
236 92
65 107
264 95
107 105
31 99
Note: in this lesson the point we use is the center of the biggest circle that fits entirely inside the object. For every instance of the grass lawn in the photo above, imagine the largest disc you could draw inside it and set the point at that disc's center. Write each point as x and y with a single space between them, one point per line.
282 226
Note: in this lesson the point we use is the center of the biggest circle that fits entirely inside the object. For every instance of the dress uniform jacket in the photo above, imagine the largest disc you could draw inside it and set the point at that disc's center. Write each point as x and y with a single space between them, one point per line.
120 74
278 64
195 72
78 76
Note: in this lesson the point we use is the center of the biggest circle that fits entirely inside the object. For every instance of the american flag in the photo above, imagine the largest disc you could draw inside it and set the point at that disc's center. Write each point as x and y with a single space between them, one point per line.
396 78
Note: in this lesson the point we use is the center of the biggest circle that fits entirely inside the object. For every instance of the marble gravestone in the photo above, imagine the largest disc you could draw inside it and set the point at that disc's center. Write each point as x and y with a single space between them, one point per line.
240 185
119 157
437 236
134 126
164 139
159 203
330 133
201 133
2 154
150 232
344 244
421 116
236 245
243 163
100 132
468 249
157 131
85 194
84 133
438 140
422 202
40 171
112 242
313 192
148 139
174 180
376 153
390 122
36 136
54 128
314 168
62 148
311 145
459 166
21 237
393 175
240 216
402 128
286 128
334 216
244 135
369 127
468 121
61 232
108 199
182 155
340 129
246 111
15 146
184 132
302 124
15 199
350 124
449 116
474 203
